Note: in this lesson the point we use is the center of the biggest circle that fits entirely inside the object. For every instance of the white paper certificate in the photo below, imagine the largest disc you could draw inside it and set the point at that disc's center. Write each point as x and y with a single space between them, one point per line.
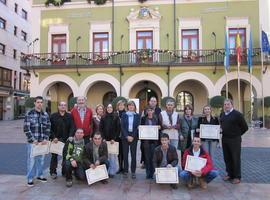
97 174
194 163
148 132
57 148
173 133
113 148
39 149
167 175
210 131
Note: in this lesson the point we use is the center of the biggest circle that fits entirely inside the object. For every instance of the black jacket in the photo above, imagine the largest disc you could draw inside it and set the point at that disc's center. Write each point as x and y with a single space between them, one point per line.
110 127
172 156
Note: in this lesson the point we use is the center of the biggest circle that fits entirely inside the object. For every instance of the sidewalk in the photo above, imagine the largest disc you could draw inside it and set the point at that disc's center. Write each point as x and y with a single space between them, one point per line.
14 186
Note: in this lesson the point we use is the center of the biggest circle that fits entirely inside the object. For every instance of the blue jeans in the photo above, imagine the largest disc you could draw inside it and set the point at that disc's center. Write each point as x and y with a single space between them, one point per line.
113 164
210 146
211 175
35 164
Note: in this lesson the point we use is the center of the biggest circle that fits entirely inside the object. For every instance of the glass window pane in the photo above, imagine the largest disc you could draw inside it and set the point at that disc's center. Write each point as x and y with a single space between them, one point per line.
100 35
185 43
140 44
148 43
145 34
105 46
194 44
189 32
232 42
96 47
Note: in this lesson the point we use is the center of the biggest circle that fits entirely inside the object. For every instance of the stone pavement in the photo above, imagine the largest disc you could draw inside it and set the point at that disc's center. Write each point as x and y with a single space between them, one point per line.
255 185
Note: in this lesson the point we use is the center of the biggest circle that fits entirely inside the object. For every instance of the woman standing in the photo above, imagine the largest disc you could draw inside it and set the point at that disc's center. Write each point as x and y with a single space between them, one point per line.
149 146
97 117
129 135
208 144
188 125
110 129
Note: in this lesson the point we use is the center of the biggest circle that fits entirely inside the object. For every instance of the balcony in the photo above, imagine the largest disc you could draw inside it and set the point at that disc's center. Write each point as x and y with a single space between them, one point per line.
131 58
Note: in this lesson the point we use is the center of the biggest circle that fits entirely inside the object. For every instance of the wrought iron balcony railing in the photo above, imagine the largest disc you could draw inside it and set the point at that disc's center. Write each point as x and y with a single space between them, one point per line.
136 58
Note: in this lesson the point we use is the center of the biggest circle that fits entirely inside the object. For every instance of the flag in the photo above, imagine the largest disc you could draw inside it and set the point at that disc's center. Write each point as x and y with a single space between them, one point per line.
238 48
249 57
265 43
227 53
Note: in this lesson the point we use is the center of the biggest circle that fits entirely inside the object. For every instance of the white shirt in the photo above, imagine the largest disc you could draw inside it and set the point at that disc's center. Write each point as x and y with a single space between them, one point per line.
196 153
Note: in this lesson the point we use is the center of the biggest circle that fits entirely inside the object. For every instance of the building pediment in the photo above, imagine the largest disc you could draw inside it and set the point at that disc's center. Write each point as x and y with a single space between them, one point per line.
144 14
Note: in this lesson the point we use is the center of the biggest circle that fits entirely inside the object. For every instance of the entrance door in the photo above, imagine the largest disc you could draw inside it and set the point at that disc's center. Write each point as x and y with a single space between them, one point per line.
144 95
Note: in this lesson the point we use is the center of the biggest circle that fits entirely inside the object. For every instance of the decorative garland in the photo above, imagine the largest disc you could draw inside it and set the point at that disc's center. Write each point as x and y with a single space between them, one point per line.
98 2
56 2
142 1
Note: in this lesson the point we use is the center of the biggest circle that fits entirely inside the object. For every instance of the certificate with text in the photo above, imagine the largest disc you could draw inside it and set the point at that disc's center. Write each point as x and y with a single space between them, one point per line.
113 148
194 163
173 133
57 148
148 132
40 149
167 175
210 131
97 174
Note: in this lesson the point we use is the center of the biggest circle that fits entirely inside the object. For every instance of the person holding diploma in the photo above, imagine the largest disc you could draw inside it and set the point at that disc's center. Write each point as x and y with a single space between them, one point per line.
61 129
37 128
189 124
96 153
73 159
149 145
165 155
209 145
206 174
233 126
170 123
97 117
82 117
110 129
129 134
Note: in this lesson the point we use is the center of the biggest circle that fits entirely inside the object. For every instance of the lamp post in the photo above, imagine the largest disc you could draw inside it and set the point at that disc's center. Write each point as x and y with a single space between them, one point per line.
77 42
215 50
33 44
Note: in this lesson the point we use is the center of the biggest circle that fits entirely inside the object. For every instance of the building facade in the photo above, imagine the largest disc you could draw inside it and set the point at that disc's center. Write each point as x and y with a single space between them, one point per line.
138 50
15 37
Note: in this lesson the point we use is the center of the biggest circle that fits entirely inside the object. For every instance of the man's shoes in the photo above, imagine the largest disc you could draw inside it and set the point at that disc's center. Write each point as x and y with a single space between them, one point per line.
125 175
30 184
104 181
236 181
203 183
53 175
226 178
44 180
133 176
173 186
190 183
120 171
69 183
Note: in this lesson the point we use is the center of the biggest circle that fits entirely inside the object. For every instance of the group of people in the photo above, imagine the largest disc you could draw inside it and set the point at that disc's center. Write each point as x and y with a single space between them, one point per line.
86 136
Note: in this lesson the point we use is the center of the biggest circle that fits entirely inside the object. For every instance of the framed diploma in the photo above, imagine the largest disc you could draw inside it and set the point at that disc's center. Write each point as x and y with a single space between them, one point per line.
113 148
173 133
57 148
210 131
97 174
194 163
39 149
167 175
148 132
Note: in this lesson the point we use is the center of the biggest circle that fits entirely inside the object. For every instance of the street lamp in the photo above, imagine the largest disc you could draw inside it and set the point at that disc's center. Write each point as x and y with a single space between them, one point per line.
77 41
215 51
33 43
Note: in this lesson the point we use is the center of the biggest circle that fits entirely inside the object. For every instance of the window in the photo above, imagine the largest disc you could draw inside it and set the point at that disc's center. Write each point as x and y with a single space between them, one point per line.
184 98
59 45
144 39
14 53
190 42
24 14
20 81
15 30
232 37
101 45
2 23
2 49
16 8
23 35
5 77
3 1
15 80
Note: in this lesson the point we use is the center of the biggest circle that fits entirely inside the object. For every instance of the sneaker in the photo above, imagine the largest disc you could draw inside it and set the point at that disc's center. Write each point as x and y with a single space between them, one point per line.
133 176
44 180
30 184
104 181
53 176
203 183
173 186
190 184
69 183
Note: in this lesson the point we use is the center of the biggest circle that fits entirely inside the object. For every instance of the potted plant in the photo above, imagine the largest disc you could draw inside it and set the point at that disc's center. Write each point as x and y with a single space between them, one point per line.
56 2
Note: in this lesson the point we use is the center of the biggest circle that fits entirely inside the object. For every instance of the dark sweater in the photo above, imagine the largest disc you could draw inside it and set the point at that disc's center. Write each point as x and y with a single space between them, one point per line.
110 127
233 125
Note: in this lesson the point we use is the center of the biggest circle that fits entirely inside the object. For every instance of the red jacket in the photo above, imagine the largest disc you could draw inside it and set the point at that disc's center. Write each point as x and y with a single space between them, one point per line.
86 125
203 154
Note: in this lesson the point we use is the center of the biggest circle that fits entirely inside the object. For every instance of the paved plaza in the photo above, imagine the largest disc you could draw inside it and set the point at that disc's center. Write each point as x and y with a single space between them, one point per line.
255 182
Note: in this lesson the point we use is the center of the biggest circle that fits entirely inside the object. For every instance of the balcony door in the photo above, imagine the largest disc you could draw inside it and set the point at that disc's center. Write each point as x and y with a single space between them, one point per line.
59 47
101 47
190 44
144 43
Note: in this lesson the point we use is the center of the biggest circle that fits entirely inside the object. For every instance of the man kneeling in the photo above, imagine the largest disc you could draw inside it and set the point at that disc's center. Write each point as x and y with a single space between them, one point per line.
206 174
96 153
74 157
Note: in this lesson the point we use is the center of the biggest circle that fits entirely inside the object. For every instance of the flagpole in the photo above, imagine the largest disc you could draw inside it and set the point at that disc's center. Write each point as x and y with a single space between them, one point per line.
251 109
263 118
227 85
238 81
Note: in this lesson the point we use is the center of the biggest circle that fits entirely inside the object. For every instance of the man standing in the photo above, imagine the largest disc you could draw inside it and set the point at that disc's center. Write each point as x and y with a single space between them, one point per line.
233 126
82 117
37 127
61 129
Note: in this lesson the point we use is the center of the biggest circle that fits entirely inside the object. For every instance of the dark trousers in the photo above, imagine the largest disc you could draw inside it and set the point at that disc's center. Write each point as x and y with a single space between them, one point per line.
133 150
79 171
232 156
149 148
121 156
142 152
53 164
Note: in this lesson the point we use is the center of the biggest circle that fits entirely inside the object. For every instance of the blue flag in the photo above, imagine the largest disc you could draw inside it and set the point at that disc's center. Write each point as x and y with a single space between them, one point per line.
249 57
265 43
227 53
